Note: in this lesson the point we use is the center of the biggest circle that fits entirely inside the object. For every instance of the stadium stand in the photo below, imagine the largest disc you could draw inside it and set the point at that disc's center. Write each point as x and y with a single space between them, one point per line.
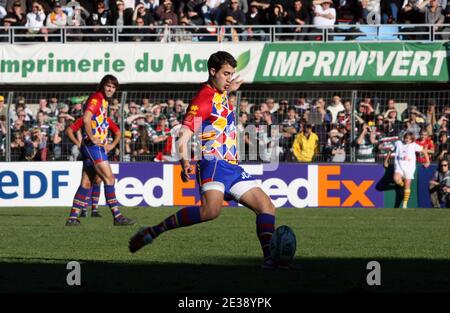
221 20
149 119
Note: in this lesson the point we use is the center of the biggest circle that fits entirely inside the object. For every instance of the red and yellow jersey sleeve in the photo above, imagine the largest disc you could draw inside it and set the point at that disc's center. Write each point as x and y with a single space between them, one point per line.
199 110
78 124
94 103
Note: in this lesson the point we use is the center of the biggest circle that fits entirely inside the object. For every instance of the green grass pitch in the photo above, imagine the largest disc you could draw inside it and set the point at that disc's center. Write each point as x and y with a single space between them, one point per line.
333 249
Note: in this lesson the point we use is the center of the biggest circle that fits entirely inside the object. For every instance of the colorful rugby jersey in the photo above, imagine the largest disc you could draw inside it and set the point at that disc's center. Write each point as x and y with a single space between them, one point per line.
78 124
211 111
98 105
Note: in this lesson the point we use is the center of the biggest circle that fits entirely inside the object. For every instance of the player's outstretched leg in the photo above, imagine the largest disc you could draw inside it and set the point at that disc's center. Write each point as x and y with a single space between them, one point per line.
185 217
95 197
258 201
265 226
80 202
210 209
119 219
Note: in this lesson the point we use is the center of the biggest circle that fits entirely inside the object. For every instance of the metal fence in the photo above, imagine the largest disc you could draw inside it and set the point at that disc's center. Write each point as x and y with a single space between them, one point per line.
349 126
36 135
151 119
341 32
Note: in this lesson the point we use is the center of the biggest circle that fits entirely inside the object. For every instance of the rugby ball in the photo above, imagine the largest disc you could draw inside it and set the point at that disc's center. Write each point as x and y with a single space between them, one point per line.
283 244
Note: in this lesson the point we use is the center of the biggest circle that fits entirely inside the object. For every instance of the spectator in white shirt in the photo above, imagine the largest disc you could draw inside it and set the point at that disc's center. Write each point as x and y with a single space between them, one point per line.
2 12
335 107
35 19
324 15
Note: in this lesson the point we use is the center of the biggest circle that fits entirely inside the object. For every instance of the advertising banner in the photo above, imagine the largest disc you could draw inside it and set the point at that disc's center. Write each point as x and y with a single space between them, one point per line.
155 184
131 63
257 62
354 62
38 184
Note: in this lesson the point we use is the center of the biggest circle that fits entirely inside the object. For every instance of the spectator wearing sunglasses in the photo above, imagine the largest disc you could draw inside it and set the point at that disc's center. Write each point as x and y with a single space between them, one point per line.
440 186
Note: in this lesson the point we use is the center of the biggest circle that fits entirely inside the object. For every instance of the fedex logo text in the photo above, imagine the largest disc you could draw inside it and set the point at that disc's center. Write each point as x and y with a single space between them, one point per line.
320 182
158 188
156 185
323 186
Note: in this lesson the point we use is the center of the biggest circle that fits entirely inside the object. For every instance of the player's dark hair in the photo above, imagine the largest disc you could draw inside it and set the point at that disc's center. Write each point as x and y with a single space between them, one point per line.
220 58
108 79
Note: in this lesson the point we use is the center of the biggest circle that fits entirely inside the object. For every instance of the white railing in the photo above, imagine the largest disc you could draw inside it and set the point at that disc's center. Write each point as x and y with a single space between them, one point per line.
224 33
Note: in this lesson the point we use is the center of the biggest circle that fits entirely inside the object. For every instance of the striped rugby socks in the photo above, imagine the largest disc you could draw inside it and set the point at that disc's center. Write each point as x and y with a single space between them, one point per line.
95 195
110 195
185 217
265 226
80 202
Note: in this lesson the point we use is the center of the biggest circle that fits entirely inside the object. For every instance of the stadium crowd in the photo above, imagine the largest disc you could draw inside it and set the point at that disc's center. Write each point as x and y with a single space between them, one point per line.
40 134
321 129
44 17
303 129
